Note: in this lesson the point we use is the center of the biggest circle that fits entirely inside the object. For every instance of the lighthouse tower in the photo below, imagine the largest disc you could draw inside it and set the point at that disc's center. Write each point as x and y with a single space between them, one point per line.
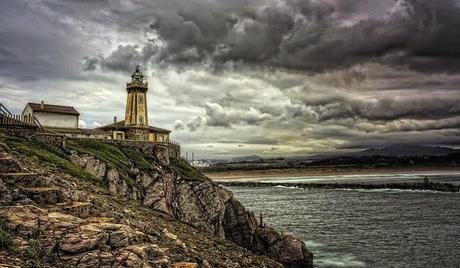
136 103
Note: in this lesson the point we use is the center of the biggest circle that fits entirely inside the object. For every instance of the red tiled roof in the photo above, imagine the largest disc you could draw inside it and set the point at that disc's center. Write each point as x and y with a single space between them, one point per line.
56 109
121 125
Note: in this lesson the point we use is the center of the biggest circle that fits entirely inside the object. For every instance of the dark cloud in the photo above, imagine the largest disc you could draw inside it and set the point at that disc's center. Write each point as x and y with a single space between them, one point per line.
391 108
294 75
305 35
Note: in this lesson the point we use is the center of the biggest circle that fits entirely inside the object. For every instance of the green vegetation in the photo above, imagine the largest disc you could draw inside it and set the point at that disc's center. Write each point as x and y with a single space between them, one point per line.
51 155
107 153
6 237
186 171
35 253
138 158
112 155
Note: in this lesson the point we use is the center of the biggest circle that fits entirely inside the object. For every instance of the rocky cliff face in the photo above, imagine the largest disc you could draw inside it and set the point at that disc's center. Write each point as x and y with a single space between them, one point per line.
81 227
204 205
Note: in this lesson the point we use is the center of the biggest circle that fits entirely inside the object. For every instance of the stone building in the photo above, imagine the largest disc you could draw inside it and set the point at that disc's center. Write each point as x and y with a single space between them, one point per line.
52 116
135 126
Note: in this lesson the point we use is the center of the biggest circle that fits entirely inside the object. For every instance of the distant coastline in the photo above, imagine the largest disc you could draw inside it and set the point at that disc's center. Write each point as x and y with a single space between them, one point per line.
428 186
237 175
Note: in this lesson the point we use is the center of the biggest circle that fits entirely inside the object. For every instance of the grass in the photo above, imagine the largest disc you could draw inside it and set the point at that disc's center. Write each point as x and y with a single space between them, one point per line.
6 237
112 155
137 158
35 253
118 157
105 152
186 171
51 155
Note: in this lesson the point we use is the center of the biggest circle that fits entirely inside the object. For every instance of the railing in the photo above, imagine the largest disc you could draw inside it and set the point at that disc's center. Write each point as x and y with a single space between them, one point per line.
14 120
9 119
4 111
173 142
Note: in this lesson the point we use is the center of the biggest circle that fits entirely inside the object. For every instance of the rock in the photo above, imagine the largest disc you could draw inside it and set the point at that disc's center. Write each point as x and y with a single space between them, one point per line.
44 195
26 179
79 209
90 164
155 195
9 165
5 196
186 265
241 227
286 249
162 154
238 224
200 204
86 238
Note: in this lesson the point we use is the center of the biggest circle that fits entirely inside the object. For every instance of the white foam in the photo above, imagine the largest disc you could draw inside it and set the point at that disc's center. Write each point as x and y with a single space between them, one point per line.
392 191
335 260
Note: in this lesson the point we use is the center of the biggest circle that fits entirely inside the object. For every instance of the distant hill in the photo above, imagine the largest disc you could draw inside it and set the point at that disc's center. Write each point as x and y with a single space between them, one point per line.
250 158
394 150
404 150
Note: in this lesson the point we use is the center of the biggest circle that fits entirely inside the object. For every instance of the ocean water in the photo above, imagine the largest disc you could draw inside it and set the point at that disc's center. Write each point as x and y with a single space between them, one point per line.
364 228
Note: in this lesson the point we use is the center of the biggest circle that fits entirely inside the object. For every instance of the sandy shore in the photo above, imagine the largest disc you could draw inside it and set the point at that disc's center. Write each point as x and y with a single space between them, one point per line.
236 175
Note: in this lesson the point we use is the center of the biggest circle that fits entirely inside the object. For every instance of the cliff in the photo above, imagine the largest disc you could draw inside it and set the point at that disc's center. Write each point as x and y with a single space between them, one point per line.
95 204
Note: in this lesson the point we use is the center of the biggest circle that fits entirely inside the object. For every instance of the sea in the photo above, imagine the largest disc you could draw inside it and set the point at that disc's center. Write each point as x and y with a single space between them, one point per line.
364 228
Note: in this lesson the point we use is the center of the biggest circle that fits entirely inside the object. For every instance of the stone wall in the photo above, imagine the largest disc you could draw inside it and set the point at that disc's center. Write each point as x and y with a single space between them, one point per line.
162 150
51 139
20 131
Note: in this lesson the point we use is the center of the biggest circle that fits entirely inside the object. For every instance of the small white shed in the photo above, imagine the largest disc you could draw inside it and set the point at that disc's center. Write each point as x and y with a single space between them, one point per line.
52 116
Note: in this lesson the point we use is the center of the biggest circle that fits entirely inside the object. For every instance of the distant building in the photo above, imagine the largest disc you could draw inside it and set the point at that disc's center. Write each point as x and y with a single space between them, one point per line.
135 126
51 116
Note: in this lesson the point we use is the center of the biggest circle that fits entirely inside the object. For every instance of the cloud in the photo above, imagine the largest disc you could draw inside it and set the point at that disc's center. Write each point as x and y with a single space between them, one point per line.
300 35
179 125
218 116
81 123
242 77
195 123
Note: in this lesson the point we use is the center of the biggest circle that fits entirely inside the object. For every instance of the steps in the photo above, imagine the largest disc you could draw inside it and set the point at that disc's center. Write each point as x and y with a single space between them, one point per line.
44 195
78 209
21 179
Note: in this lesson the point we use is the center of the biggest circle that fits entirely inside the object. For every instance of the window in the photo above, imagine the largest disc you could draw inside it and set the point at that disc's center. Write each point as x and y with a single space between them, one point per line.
141 99
141 119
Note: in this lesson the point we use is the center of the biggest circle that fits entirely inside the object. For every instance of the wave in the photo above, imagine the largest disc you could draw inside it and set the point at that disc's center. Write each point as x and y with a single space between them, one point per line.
335 260
313 244
328 259
287 187
391 191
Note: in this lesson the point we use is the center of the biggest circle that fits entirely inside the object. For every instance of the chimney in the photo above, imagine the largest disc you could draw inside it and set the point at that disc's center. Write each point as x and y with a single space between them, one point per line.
42 105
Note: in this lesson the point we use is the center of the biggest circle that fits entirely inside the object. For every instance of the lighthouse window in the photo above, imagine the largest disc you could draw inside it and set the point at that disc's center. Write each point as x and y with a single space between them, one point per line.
141 119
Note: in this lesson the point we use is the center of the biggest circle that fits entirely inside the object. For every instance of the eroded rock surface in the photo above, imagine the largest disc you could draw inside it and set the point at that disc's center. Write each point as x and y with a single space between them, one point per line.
206 206
53 209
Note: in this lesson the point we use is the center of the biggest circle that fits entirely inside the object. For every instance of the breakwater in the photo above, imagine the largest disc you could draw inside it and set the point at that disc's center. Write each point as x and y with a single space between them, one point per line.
422 186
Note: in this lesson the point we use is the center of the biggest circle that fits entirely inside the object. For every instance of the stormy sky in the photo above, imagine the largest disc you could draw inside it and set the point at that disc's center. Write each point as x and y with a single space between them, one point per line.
241 77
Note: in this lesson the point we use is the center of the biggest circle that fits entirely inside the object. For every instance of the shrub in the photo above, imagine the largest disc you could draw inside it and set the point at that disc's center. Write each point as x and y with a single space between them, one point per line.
6 237
35 253
52 155
186 171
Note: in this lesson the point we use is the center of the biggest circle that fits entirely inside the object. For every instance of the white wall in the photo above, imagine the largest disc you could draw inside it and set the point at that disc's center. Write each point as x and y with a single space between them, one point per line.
57 120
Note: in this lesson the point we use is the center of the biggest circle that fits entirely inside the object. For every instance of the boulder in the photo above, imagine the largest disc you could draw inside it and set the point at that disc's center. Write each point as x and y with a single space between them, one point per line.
44 195
5 195
162 154
9 165
286 249
239 225
90 164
